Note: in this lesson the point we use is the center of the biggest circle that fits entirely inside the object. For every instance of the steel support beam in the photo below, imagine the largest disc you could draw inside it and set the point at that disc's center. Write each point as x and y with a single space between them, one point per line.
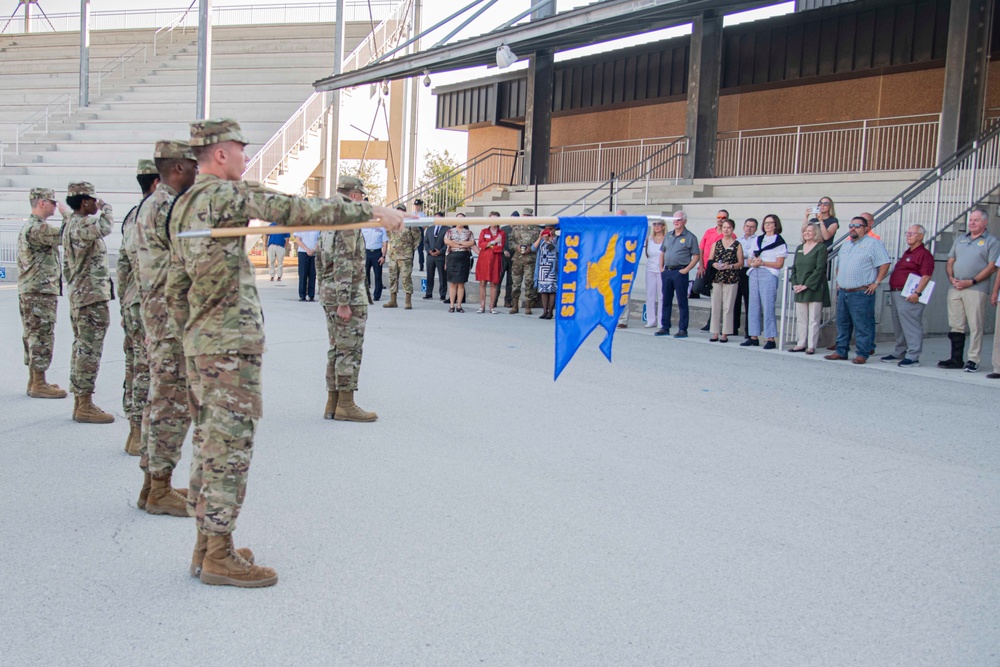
331 146
704 74
84 52
969 33
538 119
204 96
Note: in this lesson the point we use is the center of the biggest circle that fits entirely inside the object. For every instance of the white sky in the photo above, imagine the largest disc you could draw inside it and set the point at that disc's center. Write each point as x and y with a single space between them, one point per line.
359 112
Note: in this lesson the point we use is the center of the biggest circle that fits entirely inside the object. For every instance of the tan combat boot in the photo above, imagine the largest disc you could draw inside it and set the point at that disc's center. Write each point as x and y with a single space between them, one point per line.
144 491
391 303
133 446
409 302
86 412
527 307
201 547
348 411
39 388
331 405
223 565
513 309
166 500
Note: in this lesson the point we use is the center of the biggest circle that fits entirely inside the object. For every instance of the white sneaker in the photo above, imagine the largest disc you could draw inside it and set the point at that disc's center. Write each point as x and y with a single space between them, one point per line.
649 325
480 311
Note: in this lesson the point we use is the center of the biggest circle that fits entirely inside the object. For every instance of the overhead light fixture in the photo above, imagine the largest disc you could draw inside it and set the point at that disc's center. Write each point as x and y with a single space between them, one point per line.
385 88
505 57
427 79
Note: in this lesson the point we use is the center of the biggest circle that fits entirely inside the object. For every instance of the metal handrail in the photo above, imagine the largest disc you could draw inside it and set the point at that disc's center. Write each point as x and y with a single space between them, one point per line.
372 44
491 155
169 28
309 115
673 150
119 61
39 116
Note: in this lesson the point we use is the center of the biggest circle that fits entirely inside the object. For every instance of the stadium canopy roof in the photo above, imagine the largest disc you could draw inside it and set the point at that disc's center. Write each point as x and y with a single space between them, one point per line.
584 26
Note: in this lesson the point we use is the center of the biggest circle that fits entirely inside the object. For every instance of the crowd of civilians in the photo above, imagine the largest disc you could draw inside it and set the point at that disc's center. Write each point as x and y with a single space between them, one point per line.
739 272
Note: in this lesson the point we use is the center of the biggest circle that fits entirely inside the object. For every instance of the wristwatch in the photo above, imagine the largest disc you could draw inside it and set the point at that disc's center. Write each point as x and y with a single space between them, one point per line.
919 294
974 281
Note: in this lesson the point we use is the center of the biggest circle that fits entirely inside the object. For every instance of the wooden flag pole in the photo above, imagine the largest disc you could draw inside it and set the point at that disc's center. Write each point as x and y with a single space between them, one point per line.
227 232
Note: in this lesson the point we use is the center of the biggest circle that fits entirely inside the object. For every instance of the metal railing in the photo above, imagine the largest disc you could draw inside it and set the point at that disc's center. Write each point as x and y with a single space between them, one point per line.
43 115
592 162
118 64
135 19
8 241
306 121
288 140
387 32
882 144
939 201
168 29
663 160
497 166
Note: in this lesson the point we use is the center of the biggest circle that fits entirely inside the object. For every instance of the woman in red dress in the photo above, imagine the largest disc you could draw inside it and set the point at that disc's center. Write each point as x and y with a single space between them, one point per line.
490 263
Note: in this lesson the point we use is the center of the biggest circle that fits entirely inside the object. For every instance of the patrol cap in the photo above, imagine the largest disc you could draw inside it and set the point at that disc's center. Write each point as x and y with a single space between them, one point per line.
178 150
350 183
215 131
146 168
527 211
42 193
80 188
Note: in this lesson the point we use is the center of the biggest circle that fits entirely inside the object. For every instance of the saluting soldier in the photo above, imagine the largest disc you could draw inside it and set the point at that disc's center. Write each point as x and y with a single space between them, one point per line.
212 297
340 266
136 388
38 288
402 243
166 418
85 265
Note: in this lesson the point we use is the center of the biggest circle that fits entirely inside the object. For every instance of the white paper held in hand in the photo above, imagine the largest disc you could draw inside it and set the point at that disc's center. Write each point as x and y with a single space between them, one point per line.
910 285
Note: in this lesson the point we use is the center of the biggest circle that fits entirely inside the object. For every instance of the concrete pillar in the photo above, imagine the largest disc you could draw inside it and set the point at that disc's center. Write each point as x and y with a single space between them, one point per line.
331 135
84 52
394 160
538 119
704 74
27 15
203 103
969 28
412 106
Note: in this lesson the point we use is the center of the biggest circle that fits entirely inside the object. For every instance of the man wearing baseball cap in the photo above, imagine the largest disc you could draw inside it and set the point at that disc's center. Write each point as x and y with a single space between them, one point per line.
38 288
212 297
85 266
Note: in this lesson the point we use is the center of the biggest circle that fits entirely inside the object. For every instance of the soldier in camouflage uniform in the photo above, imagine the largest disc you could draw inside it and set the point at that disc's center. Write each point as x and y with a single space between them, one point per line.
136 387
85 265
212 298
402 243
522 264
340 267
166 418
38 288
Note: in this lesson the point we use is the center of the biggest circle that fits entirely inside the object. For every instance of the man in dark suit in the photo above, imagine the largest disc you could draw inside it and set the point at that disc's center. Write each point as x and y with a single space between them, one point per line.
435 248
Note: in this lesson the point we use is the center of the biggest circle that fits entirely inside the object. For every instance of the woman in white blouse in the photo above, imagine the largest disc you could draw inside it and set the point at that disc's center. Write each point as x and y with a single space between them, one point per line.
654 286
767 258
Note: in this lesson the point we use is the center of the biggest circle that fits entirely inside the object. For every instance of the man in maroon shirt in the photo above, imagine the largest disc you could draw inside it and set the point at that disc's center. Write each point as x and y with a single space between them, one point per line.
907 312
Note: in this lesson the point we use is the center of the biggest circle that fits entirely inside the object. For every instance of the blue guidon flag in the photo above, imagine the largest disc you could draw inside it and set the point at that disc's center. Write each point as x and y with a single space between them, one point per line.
598 264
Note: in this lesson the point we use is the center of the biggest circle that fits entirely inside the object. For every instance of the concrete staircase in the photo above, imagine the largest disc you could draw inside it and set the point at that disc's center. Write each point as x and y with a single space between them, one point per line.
260 76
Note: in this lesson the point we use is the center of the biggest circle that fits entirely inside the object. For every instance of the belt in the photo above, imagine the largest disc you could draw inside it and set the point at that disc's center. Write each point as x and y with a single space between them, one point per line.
854 289
895 289
675 268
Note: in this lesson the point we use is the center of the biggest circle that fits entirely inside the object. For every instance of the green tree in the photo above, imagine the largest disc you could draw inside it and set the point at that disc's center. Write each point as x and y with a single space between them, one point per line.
370 174
448 193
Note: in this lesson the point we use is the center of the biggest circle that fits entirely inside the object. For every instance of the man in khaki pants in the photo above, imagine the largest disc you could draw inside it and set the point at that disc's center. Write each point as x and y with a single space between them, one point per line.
970 264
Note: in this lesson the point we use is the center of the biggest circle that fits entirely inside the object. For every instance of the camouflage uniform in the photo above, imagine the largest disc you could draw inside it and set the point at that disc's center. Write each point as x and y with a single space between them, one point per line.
401 247
85 265
167 417
136 384
340 265
212 298
522 263
38 285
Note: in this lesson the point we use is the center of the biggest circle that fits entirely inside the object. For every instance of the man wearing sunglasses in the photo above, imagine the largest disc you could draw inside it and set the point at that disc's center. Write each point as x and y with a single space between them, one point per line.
864 264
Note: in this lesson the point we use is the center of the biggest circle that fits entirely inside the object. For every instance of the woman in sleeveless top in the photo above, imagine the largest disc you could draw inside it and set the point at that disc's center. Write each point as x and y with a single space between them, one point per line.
727 260
654 285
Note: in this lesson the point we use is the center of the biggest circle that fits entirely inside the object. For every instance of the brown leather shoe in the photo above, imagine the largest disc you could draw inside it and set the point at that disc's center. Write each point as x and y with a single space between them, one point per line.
834 357
859 360
225 566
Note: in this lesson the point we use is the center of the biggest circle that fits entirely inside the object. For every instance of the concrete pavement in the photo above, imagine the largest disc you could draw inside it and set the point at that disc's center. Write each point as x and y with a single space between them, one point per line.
691 503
